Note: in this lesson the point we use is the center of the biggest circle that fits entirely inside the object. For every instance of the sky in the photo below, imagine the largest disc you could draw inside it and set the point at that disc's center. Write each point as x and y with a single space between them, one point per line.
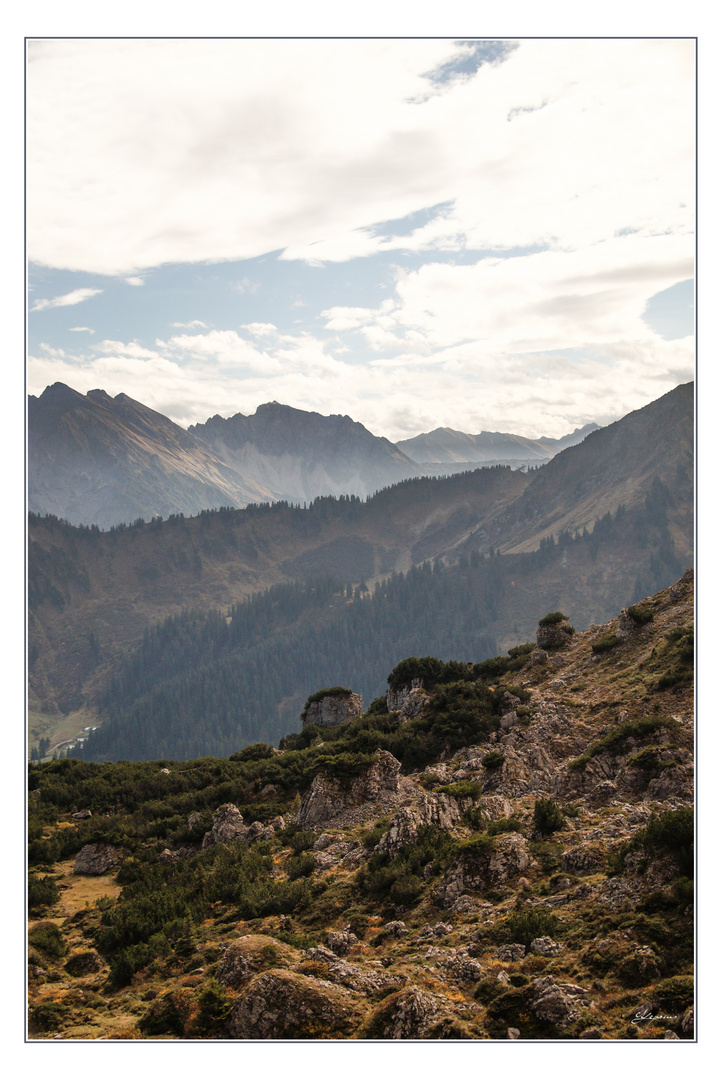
418 233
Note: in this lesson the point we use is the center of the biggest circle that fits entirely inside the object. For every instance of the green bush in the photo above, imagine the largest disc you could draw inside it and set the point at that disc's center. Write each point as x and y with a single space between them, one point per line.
552 618
48 1016
168 1015
42 892
300 866
46 937
503 825
640 613
675 994
548 818
213 1010
465 789
256 752
606 643
493 760
524 926
614 740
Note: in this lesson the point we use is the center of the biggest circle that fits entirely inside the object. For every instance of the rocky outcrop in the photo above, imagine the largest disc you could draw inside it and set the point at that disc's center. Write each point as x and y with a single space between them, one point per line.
329 802
556 635
96 859
280 1004
557 1003
407 1015
396 699
476 869
439 810
333 709
249 955
228 825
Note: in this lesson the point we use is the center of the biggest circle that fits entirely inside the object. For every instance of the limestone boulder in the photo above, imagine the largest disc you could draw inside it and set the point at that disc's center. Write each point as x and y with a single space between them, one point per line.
280 1004
96 859
333 709
228 825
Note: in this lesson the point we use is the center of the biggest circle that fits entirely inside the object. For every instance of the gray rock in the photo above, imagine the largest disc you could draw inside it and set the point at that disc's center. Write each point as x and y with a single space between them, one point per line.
341 943
333 709
397 928
287 1005
556 636
227 826
545 946
82 815
194 819
538 656
328 800
556 1003
513 1033
324 841
396 699
95 859
591 1033
414 1012
511 953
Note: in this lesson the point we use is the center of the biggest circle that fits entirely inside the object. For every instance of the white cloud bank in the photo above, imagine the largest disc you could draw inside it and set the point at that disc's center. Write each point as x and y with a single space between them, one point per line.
563 182
148 152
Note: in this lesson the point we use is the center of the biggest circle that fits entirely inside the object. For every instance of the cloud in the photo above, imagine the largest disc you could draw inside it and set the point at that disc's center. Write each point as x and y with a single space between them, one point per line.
134 280
192 325
144 152
77 329
68 300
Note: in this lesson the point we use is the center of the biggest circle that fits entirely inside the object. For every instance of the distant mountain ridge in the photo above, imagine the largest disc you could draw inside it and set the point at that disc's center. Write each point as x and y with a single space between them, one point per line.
101 460
445 445
98 460
304 454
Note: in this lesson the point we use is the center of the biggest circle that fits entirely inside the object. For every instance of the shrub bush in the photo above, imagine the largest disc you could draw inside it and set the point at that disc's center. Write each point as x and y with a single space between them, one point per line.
640 613
46 937
548 818
493 760
465 789
552 618
526 925
42 892
605 643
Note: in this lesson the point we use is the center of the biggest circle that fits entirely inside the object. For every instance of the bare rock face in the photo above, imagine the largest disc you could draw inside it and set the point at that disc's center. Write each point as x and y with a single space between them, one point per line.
508 858
287 1005
440 810
511 953
227 825
333 709
249 955
95 859
408 1015
396 699
328 800
557 1003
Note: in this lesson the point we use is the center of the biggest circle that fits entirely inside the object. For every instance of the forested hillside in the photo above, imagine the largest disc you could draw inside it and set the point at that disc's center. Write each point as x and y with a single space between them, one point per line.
210 682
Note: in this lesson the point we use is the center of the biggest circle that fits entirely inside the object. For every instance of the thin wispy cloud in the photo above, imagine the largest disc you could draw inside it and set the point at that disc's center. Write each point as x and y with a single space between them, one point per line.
77 296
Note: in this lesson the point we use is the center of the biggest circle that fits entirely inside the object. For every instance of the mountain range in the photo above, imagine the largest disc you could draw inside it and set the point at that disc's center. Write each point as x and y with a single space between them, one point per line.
446 446
98 460
208 632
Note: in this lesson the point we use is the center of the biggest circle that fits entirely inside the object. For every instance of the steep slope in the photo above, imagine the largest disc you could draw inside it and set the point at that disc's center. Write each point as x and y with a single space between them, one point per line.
648 454
97 460
303 454
503 853
445 445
